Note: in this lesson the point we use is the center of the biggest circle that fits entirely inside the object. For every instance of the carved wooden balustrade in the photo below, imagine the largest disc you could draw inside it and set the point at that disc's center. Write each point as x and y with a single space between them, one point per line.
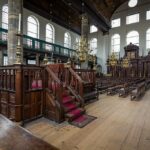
53 93
82 80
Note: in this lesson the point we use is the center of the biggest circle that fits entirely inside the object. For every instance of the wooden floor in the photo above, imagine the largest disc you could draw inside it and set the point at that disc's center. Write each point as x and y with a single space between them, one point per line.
121 124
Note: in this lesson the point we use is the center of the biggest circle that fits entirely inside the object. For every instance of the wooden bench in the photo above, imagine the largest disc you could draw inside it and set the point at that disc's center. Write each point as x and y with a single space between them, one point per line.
138 91
13 137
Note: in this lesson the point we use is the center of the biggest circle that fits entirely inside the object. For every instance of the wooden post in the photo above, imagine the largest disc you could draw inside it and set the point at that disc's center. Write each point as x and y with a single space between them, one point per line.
19 89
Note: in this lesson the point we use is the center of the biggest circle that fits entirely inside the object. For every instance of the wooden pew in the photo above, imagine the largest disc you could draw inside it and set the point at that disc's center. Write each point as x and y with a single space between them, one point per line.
147 84
113 90
16 138
138 91
126 89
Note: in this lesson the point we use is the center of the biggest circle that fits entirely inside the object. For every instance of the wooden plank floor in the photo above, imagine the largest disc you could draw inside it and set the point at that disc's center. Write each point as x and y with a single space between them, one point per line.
121 124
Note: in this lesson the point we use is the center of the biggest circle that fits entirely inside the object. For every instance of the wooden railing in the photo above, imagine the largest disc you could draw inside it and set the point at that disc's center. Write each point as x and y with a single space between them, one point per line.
10 86
79 79
74 81
7 78
53 95
35 44
88 76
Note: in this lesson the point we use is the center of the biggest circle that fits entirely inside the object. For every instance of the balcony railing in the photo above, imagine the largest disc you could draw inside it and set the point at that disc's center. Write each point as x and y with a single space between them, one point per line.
34 44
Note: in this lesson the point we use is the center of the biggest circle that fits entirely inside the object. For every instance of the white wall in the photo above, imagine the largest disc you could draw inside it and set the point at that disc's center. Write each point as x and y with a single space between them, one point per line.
104 41
141 27
59 31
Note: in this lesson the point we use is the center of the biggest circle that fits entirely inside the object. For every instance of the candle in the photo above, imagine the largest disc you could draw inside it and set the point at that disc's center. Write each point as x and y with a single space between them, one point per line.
19 24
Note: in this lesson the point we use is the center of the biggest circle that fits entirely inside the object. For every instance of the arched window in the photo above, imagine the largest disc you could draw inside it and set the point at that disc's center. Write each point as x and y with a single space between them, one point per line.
4 21
50 35
93 46
33 29
67 40
148 40
133 37
115 43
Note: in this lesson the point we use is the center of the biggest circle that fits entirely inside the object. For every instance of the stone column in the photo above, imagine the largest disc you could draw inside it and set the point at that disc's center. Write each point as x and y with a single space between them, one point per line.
15 8
84 35
37 59
85 26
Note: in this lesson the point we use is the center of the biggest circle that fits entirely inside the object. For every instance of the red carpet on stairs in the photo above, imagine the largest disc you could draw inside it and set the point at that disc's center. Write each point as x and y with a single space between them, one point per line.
75 114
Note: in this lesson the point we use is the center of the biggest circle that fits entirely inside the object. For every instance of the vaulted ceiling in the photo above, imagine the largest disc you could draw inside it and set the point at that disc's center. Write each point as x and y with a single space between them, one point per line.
67 13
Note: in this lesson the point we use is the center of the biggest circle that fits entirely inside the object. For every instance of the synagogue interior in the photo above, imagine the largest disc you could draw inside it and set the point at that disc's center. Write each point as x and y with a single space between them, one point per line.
75 75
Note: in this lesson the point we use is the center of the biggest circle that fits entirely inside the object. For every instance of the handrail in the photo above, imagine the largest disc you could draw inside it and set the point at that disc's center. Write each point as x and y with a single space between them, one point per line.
40 45
75 74
53 75
74 81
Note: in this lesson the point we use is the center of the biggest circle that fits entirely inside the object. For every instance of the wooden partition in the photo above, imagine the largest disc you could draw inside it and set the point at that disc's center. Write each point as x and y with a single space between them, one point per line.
20 98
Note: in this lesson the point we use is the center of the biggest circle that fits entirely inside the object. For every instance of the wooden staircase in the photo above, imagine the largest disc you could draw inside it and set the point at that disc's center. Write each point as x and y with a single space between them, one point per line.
63 102
72 107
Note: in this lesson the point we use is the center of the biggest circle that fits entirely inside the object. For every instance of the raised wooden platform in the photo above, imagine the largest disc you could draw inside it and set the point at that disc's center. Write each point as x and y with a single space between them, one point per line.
121 124
13 137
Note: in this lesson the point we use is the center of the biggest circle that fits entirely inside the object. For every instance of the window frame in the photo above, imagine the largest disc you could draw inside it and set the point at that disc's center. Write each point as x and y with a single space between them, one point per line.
128 22
147 17
117 25
113 45
132 38
5 16
68 37
148 39
37 24
93 46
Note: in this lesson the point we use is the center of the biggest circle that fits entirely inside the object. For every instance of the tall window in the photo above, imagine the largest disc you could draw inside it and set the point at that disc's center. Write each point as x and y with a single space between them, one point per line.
77 43
115 43
148 40
33 29
5 60
93 46
148 15
93 29
133 37
4 20
115 23
67 40
132 19
50 36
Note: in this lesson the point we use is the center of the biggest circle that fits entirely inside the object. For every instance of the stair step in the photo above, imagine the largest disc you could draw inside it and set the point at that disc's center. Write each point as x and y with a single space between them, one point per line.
74 114
68 99
70 106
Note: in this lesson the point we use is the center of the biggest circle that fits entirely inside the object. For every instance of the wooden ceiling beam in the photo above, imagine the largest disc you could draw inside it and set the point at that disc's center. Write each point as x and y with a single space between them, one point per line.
55 17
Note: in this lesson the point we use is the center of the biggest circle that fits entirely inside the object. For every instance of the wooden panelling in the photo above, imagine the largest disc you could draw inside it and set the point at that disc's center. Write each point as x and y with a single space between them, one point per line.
4 96
33 104
12 98
4 109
